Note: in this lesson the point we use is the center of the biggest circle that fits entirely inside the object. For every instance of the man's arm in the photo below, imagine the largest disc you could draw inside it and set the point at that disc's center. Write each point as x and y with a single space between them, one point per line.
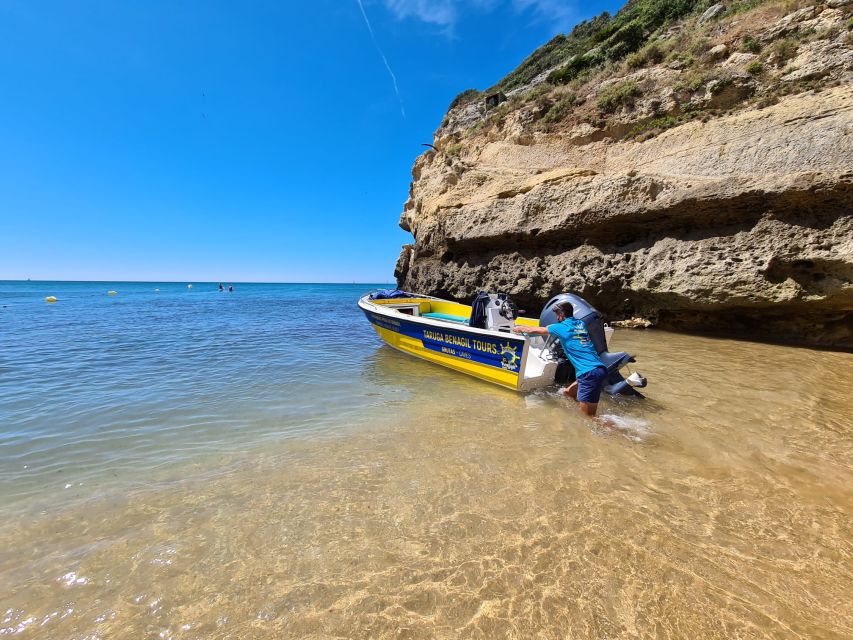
532 331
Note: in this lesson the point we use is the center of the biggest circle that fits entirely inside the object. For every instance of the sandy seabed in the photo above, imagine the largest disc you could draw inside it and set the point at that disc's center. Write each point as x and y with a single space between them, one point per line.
710 510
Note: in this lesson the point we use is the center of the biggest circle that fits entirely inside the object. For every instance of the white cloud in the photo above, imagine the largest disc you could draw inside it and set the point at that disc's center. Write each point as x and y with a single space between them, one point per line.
558 11
445 13
440 12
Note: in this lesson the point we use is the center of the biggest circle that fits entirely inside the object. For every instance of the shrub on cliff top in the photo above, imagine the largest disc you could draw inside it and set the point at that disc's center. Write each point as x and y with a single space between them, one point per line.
469 95
538 91
741 6
559 109
626 40
654 13
754 68
454 150
558 48
692 81
749 44
783 50
652 53
616 36
573 68
646 129
617 95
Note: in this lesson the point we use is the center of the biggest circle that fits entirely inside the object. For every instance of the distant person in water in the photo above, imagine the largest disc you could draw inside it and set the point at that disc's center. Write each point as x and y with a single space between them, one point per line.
221 288
230 288
590 373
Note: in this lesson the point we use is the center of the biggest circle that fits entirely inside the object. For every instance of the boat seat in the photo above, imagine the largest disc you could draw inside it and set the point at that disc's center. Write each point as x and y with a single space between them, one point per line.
445 316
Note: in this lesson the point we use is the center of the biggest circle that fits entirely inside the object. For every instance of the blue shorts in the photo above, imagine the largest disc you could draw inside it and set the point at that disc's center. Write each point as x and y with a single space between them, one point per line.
589 385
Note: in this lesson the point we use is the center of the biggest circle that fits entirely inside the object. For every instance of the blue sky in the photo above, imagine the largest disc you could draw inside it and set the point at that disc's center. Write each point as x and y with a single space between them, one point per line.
254 141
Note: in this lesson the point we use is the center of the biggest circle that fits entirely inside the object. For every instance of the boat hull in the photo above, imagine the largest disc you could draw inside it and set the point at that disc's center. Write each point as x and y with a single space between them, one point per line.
498 359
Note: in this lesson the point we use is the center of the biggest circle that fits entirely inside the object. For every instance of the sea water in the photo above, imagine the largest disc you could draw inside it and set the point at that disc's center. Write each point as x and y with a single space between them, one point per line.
187 463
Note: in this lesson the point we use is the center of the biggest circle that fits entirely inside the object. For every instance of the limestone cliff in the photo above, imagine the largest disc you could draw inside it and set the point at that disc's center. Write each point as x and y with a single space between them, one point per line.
711 194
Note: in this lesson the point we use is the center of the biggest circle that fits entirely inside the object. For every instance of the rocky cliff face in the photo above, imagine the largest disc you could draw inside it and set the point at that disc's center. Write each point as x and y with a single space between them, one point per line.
718 204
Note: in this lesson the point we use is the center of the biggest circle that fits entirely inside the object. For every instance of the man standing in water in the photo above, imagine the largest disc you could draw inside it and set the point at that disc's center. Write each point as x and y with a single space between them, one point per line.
590 373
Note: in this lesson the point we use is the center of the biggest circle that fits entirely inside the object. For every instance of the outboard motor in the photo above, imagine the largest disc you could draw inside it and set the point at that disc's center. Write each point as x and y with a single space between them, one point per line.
582 310
493 311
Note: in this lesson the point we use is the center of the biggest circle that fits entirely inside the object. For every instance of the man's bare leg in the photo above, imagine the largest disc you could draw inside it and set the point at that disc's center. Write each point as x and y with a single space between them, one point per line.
572 390
589 408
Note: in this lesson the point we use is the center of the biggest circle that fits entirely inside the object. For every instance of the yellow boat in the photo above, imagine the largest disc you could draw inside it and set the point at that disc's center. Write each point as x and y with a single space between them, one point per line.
476 339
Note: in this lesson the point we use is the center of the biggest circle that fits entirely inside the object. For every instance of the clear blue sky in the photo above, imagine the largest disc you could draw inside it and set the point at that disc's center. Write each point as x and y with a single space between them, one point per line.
253 141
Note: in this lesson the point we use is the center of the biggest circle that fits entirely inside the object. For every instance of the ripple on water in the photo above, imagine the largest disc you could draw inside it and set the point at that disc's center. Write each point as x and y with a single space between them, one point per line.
388 497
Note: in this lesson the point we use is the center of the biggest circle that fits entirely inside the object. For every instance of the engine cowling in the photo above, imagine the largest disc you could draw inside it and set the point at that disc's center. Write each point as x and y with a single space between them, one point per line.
581 310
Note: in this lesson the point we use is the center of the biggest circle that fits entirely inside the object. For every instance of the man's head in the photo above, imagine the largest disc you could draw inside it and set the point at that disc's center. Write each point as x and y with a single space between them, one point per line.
562 310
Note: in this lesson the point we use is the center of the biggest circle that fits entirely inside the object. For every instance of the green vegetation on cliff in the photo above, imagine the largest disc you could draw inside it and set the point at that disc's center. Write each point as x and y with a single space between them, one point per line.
602 38
657 64
466 96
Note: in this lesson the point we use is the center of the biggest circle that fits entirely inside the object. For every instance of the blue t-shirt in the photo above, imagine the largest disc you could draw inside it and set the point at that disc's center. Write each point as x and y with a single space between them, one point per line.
577 344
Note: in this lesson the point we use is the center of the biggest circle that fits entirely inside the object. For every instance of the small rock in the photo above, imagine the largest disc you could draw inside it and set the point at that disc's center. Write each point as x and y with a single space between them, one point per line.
715 53
465 117
712 12
633 323
723 93
805 13
827 19
819 59
838 3
715 86
583 133
739 58
789 23
668 100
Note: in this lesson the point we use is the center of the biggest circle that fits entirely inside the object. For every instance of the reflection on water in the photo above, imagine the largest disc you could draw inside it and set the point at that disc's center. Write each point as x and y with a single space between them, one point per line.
719 507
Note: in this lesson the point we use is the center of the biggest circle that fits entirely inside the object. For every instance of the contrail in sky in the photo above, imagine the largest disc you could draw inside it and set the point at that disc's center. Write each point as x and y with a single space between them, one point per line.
384 59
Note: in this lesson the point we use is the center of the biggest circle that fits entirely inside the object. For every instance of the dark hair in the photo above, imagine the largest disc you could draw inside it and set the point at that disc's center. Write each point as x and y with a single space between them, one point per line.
565 308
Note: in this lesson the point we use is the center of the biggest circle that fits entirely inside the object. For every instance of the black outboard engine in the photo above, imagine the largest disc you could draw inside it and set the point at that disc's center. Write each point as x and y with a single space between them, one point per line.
582 310
493 311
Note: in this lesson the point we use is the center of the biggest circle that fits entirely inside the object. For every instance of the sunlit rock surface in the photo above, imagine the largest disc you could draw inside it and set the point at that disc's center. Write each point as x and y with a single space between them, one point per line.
738 222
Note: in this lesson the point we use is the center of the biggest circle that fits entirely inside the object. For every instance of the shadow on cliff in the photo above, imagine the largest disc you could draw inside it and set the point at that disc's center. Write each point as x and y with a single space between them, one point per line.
689 219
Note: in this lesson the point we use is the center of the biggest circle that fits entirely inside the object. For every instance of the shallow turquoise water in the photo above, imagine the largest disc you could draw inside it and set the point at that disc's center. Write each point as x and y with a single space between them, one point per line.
97 390
197 465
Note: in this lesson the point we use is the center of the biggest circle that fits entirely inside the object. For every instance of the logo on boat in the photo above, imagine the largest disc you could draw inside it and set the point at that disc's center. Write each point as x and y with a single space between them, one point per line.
467 347
509 356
